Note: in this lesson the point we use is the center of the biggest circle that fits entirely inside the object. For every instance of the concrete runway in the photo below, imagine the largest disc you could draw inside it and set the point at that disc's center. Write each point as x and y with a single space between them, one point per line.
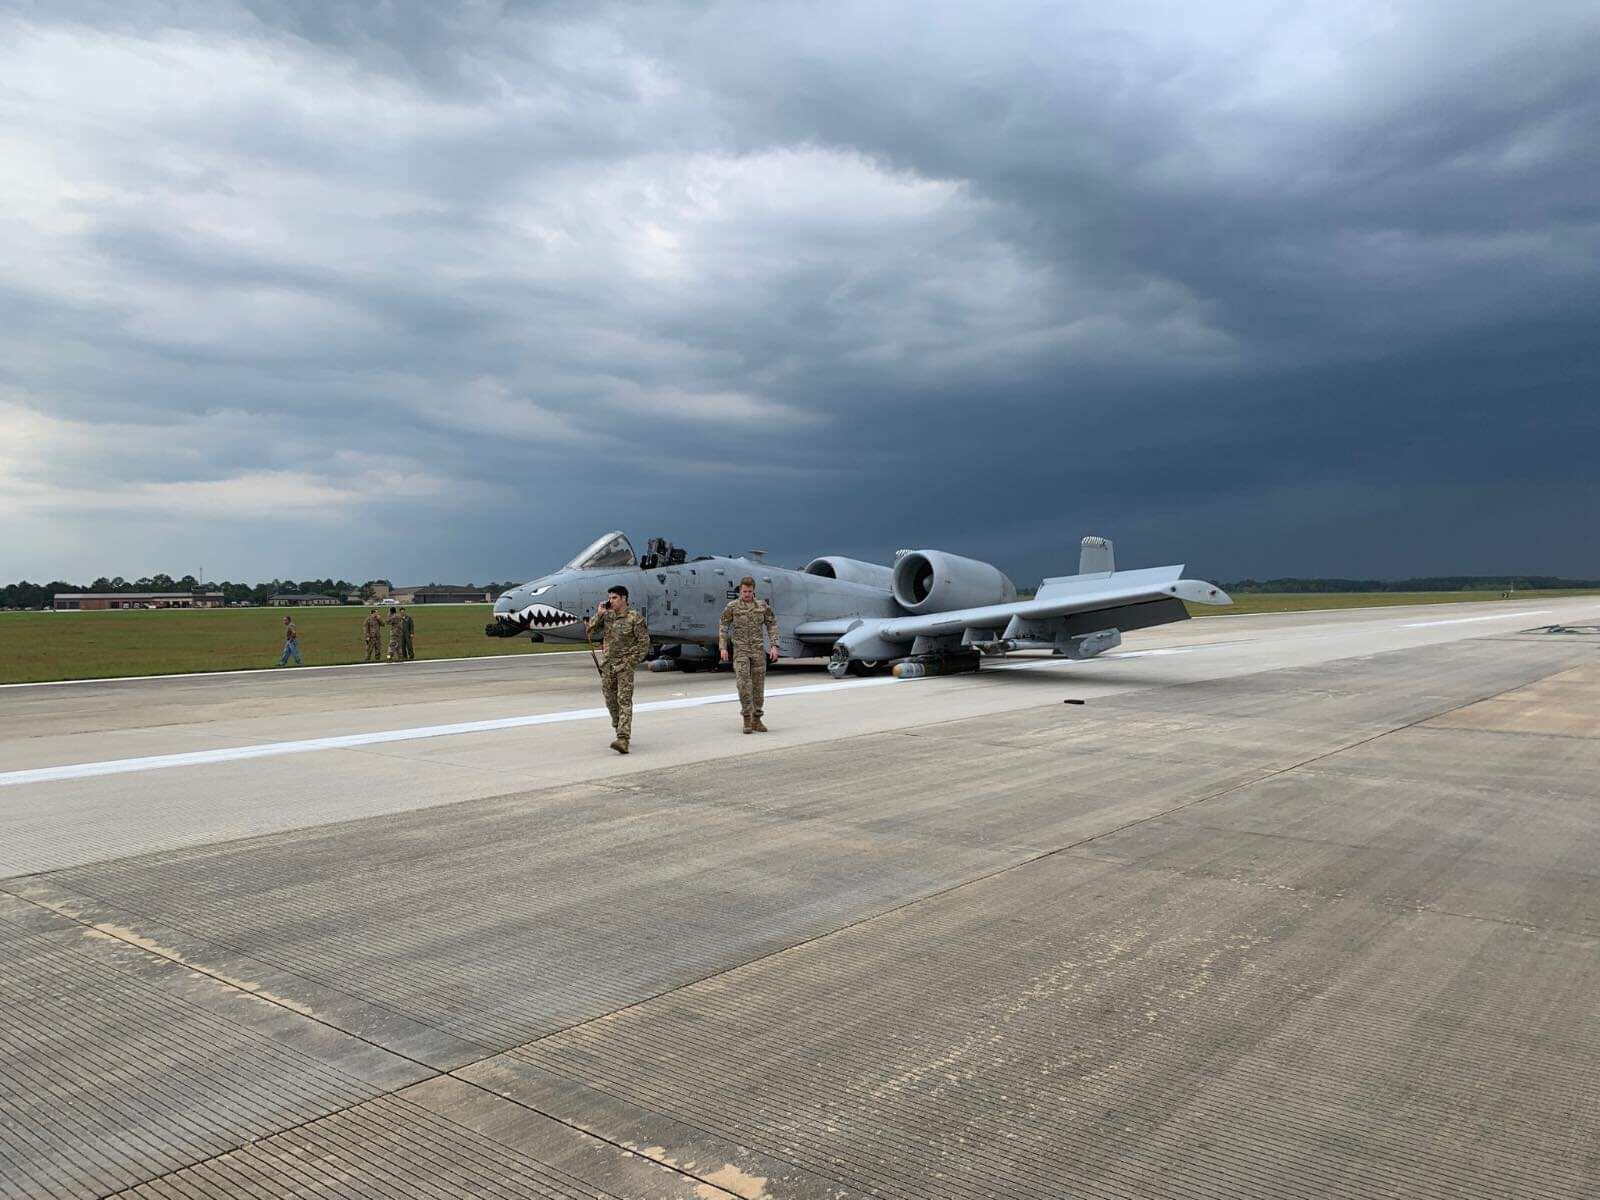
1293 904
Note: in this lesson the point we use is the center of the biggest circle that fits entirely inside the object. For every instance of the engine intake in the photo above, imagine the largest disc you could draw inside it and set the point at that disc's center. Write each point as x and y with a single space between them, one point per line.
851 570
931 581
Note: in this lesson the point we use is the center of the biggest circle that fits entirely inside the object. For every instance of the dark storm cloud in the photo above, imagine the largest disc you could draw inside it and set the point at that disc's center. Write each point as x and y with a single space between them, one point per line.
1268 289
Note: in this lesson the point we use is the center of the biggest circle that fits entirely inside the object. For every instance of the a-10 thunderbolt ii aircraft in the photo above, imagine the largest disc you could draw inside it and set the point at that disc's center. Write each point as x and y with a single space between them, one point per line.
929 613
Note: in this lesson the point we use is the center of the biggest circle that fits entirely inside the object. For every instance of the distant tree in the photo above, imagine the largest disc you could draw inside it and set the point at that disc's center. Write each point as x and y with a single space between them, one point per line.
1431 583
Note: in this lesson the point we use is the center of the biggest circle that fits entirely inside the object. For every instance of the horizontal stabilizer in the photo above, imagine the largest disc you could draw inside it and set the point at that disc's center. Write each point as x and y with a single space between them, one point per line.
1083 585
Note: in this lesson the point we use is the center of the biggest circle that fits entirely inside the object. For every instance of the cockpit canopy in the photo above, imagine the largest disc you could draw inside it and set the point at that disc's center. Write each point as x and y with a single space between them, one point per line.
606 551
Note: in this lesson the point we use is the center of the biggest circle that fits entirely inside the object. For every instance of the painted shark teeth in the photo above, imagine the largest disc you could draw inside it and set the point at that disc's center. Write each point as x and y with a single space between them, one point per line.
540 616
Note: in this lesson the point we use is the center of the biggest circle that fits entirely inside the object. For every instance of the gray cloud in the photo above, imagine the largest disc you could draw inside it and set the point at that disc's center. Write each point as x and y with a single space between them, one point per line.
447 286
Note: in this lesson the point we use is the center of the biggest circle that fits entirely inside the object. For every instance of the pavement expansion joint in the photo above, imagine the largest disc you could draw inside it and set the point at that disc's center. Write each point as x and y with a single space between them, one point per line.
898 909
708 1185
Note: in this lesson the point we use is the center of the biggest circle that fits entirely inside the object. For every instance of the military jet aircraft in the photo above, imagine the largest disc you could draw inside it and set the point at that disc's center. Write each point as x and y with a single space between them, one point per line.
931 612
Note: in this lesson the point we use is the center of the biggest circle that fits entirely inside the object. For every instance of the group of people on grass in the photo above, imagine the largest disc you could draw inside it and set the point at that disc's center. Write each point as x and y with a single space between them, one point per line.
402 637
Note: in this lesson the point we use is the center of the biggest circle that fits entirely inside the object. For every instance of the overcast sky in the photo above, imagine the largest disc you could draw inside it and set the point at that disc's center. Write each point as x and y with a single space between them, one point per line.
434 291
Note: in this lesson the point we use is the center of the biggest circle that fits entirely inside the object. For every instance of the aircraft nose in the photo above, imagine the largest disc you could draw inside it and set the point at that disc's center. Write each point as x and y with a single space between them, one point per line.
533 608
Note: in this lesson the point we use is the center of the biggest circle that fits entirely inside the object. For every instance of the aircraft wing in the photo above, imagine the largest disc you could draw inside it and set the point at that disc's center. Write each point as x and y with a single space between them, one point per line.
1059 597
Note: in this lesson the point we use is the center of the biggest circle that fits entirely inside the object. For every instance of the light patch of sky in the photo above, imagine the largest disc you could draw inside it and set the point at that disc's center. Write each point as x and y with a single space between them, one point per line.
493 406
707 406
31 437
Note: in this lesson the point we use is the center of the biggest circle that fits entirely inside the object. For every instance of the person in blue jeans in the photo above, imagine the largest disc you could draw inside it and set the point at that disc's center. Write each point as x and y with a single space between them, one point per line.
291 644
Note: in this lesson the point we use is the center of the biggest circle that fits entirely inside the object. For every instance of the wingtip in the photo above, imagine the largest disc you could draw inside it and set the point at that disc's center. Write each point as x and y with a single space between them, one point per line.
1198 591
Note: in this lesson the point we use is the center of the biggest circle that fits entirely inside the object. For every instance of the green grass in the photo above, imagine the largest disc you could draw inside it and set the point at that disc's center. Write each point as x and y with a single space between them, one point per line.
40 646
1274 602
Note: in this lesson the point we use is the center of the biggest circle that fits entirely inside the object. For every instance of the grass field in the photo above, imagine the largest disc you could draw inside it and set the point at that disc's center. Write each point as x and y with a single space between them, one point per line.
37 647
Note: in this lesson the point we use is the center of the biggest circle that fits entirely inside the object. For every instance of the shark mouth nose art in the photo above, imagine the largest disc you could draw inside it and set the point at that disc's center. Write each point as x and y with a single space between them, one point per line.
541 616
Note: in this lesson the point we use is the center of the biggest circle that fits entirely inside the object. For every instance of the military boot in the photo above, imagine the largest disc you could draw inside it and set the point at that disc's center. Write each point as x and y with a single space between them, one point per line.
755 724
620 746
747 728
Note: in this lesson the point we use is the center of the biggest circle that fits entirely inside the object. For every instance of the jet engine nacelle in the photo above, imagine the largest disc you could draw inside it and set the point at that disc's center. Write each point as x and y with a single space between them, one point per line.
851 570
930 581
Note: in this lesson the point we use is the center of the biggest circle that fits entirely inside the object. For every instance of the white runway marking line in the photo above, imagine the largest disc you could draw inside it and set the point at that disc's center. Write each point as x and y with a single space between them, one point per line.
195 758
1111 657
1535 612
275 671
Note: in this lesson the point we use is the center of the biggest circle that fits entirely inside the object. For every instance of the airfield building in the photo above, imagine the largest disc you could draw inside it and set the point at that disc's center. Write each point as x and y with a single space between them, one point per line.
93 601
432 593
301 600
446 594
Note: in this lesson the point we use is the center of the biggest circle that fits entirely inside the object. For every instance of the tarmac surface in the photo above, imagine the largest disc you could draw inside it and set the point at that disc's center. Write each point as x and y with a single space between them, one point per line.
1300 904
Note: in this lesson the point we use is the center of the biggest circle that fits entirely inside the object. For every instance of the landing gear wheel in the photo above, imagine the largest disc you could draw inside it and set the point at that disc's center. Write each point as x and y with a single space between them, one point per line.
868 666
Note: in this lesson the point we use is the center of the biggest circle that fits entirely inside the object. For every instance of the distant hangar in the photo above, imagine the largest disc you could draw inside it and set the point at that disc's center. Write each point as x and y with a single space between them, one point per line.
99 601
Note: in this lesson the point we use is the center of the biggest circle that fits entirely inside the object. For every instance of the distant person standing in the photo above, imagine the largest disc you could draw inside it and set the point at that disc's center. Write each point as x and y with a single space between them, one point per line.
396 634
748 617
291 644
408 629
372 630
625 639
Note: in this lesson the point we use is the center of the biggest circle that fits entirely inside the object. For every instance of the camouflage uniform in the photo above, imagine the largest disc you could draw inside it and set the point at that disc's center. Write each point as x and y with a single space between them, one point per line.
627 644
396 636
408 629
748 618
372 630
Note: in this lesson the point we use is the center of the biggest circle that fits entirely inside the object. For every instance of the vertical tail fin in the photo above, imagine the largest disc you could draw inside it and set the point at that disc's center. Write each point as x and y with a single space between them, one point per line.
1095 557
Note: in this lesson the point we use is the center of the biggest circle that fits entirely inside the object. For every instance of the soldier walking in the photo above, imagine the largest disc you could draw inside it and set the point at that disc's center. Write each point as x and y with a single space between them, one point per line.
626 643
408 630
396 634
291 644
747 617
372 631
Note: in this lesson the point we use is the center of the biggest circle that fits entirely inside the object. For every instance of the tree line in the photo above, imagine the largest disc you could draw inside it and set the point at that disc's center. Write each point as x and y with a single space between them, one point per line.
42 595
1430 583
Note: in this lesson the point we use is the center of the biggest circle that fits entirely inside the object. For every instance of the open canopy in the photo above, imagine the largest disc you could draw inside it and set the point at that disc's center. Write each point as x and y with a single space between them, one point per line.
608 550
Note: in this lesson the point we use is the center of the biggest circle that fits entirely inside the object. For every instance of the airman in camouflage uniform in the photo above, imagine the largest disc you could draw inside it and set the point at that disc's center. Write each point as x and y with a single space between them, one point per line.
626 640
372 630
396 634
747 617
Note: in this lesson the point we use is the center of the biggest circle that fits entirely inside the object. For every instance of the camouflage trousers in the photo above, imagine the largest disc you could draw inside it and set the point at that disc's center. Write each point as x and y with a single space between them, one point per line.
374 650
616 684
394 648
750 672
